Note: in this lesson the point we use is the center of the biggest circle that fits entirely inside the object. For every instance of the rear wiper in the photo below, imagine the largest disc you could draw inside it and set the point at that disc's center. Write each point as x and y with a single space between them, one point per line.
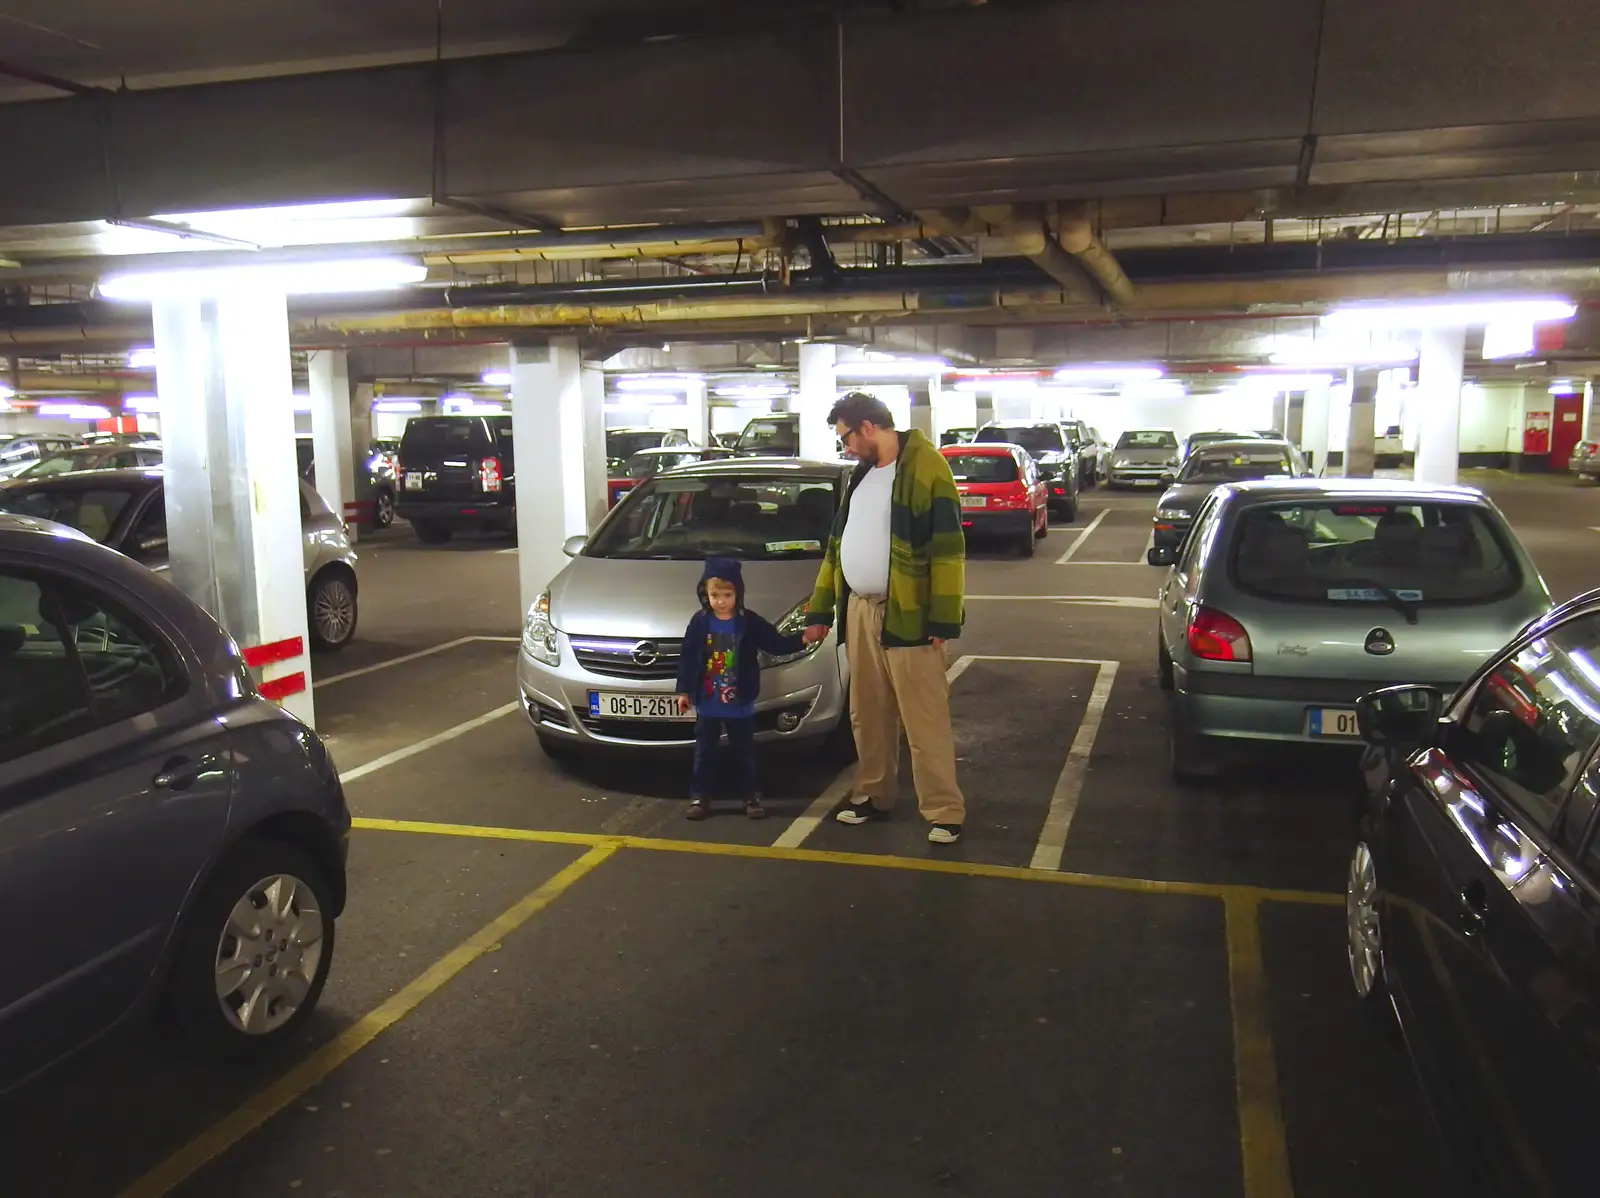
1406 607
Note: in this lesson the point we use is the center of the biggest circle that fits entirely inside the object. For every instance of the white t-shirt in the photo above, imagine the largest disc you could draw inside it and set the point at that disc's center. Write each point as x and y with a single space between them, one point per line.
864 548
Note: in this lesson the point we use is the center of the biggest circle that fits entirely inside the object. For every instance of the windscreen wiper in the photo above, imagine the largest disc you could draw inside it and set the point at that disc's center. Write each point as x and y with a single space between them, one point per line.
1406 607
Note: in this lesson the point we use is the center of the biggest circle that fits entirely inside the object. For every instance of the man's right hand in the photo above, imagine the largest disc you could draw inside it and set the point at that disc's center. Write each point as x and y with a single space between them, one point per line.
814 633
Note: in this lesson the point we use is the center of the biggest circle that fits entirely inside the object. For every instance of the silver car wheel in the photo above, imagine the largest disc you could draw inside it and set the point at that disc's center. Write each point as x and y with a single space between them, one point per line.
334 611
269 954
1361 923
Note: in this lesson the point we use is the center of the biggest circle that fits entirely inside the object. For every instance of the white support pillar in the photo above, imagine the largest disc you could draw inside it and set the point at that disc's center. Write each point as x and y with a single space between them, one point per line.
1314 426
329 376
1438 397
558 414
922 400
233 500
1591 411
1280 413
361 444
819 387
1294 428
1360 456
698 411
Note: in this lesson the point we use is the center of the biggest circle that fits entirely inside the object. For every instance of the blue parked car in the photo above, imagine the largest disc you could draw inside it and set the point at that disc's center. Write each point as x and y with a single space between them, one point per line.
168 839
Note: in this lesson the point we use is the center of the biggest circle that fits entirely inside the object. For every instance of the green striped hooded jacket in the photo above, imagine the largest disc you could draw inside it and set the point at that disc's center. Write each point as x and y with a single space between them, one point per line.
927 552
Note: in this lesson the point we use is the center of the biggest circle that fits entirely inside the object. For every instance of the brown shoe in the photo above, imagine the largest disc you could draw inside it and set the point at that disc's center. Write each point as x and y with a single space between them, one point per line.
697 810
754 809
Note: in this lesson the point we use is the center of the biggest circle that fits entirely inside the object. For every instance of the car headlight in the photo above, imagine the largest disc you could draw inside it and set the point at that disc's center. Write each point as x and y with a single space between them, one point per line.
792 624
539 634
1120 460
1173 513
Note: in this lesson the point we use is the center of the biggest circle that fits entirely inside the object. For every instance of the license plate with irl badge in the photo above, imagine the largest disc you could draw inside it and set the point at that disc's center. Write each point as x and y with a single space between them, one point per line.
612 705
1332 722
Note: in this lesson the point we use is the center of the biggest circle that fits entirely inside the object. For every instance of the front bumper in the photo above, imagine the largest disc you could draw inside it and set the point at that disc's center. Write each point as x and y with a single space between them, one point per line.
1169 534
1247 707
555 700
1138 476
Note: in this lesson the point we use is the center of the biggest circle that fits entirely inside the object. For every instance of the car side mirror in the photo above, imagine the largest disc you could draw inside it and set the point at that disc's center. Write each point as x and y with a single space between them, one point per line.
1162 555
573 546
1168 479
1400 717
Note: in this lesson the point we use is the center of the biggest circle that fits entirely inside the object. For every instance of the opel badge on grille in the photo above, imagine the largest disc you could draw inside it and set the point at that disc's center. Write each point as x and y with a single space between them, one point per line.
646 653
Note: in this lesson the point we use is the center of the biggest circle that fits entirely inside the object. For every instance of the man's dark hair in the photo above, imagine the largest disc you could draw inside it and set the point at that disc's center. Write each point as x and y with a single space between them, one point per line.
857 407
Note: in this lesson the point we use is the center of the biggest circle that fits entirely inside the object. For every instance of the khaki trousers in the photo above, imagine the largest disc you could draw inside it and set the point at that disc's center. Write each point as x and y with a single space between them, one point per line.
889 687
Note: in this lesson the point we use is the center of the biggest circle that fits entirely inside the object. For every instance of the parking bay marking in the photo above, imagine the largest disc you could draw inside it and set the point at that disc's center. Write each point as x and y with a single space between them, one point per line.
422 746
1077 541
396 661
255 1111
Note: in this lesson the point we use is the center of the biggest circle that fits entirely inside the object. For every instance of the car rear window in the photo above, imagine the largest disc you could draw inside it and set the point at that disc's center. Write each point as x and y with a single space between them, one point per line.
983 467
1387 552
1148 439
1035 438
780 435
622 446
93 512
433 435
1235 465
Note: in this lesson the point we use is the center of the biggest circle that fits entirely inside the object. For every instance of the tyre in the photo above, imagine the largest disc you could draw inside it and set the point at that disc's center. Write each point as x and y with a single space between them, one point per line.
1164 670
430 533
254 953
1069 510
1025 544
1044 525
383 508
1364 926
331 610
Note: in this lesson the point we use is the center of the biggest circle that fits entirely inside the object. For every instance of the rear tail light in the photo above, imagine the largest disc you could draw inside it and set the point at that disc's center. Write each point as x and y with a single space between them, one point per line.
489 474
1214 636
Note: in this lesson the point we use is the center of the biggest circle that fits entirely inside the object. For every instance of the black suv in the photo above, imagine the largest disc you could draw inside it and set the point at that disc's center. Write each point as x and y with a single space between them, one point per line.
1473 905
457 472
1086 445
1048 445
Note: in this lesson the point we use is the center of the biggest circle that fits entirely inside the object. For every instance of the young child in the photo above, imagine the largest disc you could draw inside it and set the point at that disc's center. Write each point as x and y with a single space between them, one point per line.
719 676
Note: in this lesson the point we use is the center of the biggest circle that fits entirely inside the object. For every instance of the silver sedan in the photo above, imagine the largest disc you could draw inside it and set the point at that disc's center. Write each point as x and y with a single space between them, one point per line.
1290 599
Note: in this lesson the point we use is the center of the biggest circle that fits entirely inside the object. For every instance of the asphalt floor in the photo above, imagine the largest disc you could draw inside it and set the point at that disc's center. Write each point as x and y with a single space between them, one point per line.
548 983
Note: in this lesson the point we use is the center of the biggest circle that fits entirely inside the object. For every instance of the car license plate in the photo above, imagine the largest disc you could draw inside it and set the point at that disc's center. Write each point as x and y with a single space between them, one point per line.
1332 721
414 481
970 501
611 705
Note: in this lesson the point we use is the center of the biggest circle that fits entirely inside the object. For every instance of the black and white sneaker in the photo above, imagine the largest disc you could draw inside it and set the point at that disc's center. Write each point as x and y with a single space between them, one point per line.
944 833
859 811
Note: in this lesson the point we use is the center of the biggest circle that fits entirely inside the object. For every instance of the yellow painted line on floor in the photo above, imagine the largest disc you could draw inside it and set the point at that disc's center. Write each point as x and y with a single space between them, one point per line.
1263 1141
968 869
255 1111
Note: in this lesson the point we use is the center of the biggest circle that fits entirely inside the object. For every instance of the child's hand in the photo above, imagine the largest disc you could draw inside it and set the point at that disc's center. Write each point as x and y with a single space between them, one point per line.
683 704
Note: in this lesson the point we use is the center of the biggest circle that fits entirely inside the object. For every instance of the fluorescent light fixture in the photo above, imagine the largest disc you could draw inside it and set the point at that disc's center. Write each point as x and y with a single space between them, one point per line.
1272 382
1013 387
497 378
1154 389
6 392
647 400
397 405
657 382
1339 353
145 405
764 405
1507 339
890 368
303 278
73 411
1451 313
761 391
1565 387
1109 372
143 358
302 403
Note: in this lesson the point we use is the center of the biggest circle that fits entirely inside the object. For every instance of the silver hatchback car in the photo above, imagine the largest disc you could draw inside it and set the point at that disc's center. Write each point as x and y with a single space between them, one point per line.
599 658
1290 599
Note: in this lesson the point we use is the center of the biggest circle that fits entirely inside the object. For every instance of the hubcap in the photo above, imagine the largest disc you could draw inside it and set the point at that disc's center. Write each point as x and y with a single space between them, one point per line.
268 955
334 611
1361 922
385 510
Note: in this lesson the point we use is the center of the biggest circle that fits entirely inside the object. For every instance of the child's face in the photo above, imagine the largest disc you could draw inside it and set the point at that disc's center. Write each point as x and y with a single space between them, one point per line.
722 597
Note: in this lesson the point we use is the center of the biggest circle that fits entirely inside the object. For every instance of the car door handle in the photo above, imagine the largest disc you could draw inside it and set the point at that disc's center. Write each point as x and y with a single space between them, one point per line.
1474 908
180 773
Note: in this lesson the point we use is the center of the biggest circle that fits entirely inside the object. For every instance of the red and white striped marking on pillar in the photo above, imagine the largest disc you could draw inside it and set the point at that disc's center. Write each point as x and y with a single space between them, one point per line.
258 657
359 511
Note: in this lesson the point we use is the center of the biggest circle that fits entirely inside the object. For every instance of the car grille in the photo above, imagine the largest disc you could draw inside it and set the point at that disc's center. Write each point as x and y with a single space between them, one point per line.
627 657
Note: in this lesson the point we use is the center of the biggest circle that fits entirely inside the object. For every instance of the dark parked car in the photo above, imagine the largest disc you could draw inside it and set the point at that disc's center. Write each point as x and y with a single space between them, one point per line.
170 839
1195 440
1474 901
18 451
957 436
1211 465
648 463
770 437
1058 465
1086 445
457 472
382 476
623 443
104 455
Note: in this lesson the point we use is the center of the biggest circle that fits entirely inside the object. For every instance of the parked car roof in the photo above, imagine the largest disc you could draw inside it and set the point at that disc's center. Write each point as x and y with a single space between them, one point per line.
1277 489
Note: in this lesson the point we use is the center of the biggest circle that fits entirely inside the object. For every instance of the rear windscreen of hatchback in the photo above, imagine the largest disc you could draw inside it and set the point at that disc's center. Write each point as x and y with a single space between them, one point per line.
1373 552
93 512
435 435
983 467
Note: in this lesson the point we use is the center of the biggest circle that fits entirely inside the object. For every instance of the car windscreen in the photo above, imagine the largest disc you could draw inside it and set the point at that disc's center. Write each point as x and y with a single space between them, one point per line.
432 436
1398 553
751 517
65 462
93 511
1198 439
771 436
1035 438
982 467
1234 465
1147 439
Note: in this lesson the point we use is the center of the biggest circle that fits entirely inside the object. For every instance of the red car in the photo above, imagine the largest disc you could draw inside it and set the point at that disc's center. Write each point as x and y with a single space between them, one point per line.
1002 494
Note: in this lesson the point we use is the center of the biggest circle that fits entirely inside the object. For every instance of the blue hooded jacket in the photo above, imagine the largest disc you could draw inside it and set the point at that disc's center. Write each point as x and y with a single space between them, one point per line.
756 635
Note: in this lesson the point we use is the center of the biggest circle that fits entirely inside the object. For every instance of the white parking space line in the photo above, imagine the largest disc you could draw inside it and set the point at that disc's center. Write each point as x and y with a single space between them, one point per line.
1140 601
513 549
395 661
805 824
432 742
1077 541
1069 786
